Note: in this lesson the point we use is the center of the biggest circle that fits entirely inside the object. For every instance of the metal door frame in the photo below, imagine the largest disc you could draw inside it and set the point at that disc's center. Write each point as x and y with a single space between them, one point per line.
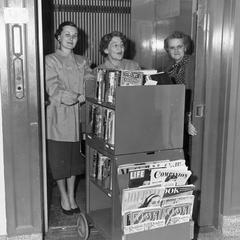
43 121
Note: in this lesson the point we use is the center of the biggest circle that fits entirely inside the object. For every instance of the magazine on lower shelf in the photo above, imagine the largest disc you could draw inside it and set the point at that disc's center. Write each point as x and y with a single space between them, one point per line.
150 218
134 198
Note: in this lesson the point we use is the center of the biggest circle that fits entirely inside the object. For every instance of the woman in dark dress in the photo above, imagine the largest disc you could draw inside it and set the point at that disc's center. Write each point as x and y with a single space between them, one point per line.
179 47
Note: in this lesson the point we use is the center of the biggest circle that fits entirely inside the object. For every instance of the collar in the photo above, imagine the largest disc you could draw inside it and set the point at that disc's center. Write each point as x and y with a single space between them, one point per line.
109 64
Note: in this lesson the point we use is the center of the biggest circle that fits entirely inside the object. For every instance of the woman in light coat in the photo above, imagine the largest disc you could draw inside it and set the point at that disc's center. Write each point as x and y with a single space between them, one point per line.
66 73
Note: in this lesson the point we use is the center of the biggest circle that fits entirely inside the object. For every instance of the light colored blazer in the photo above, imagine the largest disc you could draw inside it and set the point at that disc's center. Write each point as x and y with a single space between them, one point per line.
64 73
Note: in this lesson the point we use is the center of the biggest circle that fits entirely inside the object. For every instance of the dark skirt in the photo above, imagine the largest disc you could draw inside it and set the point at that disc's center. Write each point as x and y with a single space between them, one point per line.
65 159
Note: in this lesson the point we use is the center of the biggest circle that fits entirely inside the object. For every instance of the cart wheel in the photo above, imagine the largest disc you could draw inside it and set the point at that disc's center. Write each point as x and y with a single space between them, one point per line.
82 227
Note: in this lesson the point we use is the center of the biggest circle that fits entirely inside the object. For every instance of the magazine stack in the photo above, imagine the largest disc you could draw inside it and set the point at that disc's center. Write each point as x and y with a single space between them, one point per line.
157 195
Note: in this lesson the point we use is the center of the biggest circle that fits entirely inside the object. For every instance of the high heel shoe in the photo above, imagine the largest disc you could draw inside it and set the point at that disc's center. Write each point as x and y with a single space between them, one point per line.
76 210
66 212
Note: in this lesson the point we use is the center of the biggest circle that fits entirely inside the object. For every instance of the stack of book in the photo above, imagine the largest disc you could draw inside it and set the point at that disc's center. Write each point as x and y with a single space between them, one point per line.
157 195
102 119
100 169
109 79
101 123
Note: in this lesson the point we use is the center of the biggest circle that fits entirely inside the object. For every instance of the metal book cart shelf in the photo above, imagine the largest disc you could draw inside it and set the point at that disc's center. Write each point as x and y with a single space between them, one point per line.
148 126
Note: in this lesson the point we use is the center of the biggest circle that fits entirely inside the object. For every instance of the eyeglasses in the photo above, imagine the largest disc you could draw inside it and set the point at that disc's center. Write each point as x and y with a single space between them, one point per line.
178 47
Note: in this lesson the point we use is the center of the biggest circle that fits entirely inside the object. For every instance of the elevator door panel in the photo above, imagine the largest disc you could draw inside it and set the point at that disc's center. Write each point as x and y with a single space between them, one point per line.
19 83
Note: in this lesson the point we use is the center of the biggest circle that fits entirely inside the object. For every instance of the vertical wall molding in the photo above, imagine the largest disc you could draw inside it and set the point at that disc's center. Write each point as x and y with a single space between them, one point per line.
231 62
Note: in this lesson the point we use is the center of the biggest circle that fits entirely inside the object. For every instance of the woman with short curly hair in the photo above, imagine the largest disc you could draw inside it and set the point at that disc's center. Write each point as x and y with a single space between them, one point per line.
179 47
113 46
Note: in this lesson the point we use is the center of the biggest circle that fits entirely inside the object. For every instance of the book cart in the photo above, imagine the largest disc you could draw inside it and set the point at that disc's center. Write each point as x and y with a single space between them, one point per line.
148 126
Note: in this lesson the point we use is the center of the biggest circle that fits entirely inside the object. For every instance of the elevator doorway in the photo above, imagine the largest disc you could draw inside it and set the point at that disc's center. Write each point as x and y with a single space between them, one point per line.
194 24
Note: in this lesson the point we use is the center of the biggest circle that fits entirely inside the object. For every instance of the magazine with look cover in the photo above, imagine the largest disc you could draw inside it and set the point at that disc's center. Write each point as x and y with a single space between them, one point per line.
150 218
133 198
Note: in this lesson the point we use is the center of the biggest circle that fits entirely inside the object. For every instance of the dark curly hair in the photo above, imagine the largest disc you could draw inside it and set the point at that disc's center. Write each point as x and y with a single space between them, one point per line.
187 41
106 39
62 25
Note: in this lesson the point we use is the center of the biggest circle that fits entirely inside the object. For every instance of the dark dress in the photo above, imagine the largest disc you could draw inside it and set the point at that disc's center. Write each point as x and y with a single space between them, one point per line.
183 73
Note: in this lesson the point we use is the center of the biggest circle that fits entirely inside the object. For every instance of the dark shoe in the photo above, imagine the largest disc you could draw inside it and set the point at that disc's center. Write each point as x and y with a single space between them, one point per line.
76 210
66 212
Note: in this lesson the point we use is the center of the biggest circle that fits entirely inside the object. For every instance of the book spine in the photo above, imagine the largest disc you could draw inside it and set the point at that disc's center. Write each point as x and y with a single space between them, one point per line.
100 83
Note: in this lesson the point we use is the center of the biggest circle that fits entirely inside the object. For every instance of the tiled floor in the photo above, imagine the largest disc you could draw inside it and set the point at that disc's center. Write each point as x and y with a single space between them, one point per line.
71 233
64 227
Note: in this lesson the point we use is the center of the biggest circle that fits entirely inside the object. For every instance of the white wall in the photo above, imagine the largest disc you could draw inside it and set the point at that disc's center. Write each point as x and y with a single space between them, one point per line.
2 183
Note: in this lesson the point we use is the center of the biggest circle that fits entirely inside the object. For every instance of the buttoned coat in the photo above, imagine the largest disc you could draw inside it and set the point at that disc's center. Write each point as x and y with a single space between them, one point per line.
64 73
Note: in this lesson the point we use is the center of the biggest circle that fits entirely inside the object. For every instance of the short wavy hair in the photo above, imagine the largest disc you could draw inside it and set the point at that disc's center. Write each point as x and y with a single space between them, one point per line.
62 25
187 41
106 39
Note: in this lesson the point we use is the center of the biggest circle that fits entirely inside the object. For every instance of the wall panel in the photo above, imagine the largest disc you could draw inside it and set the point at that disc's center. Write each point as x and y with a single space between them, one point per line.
19 82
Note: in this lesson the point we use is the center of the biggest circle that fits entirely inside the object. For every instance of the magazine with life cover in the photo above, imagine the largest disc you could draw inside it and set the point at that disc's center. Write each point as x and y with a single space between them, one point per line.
134 198
160 176
138 220
131 78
